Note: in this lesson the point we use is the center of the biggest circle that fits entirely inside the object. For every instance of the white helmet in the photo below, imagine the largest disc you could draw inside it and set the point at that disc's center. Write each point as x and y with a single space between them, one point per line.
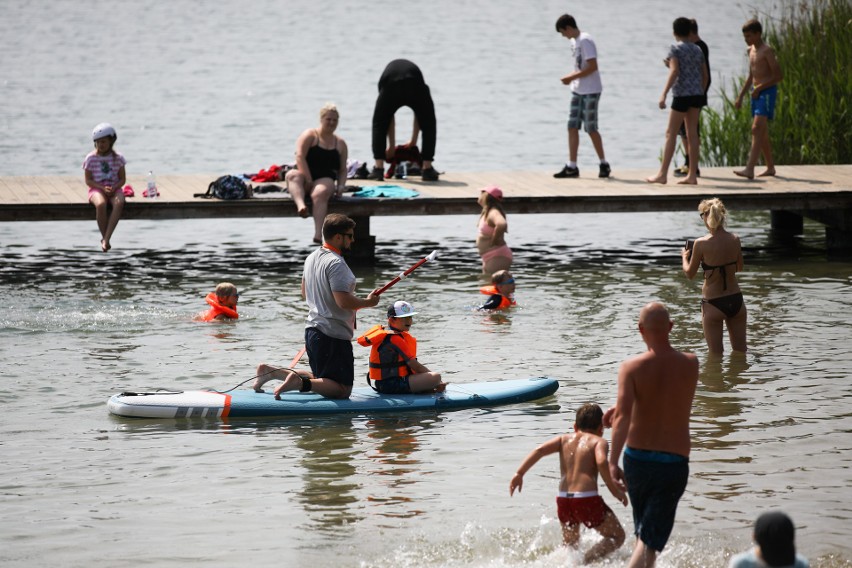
103 130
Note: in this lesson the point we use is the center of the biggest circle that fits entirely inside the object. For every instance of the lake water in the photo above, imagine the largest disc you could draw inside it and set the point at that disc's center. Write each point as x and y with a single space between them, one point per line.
195 87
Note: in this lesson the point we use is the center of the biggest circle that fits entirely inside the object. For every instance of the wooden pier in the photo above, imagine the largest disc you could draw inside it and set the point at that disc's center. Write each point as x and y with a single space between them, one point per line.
823 193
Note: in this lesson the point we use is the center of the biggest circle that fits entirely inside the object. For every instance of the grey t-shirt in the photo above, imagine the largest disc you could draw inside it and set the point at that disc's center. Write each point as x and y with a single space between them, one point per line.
750 560
325 273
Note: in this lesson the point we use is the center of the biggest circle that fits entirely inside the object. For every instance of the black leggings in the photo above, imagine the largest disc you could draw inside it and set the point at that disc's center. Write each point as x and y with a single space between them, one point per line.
396 95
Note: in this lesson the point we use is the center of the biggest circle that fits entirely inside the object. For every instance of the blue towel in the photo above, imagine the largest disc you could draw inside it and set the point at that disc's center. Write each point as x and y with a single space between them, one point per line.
385 191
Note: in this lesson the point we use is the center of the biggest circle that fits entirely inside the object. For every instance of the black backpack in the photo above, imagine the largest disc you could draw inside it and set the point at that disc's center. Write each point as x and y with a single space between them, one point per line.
227 187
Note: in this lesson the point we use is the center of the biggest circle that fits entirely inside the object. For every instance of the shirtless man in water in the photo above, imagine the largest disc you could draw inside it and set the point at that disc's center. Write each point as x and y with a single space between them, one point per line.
582 455
651 415
763 78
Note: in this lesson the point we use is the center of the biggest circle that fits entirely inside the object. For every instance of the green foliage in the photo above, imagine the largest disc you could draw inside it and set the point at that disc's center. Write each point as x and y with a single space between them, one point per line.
813 114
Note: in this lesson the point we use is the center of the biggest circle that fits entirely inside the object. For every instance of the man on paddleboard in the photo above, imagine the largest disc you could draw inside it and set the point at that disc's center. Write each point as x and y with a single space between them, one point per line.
328 285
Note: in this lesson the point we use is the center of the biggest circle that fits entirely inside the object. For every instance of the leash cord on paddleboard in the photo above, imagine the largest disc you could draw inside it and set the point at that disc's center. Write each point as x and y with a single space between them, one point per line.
258 376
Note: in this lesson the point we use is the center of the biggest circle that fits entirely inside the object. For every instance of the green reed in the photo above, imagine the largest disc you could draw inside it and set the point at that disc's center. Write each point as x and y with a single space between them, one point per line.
813 115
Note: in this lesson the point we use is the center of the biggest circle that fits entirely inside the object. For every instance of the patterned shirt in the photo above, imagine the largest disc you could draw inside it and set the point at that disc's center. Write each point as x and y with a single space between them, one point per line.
690 61
104 168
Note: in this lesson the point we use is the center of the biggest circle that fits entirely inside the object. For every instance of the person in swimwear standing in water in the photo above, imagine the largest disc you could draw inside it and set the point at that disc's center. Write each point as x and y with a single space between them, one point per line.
720 255
496 254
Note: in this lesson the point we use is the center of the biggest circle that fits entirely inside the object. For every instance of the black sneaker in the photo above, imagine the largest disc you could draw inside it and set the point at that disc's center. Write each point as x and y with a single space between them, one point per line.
567 172
377 174
604 170
682 171
430 174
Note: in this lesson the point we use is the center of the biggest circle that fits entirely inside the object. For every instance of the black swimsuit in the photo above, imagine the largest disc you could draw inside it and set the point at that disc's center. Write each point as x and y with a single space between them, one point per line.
728 305
323 163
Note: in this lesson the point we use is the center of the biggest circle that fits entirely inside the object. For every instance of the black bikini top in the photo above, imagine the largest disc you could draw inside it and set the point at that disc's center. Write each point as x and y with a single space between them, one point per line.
721 269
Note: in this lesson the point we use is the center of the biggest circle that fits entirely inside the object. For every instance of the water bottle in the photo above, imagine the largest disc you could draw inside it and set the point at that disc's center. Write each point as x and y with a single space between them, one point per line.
402 170
151 190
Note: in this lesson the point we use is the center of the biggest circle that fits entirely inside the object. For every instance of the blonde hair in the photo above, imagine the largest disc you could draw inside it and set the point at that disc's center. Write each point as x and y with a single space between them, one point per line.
714 212
327 108
225 289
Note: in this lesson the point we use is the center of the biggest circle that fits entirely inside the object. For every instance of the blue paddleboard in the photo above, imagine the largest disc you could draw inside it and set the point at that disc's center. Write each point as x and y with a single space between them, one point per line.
247 403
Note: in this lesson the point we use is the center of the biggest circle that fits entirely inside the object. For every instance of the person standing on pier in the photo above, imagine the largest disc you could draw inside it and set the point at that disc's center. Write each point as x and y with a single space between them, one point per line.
105 177
402 84
586 86
763 77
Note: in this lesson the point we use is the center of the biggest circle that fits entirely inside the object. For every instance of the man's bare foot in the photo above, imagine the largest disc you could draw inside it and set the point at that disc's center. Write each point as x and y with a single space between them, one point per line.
317 241
441 387
303 212
769 172
105 246
745 173
291 383
657 179
688 181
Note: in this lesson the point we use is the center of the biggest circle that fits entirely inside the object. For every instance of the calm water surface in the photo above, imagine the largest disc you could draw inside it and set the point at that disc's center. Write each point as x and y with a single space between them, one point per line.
207 90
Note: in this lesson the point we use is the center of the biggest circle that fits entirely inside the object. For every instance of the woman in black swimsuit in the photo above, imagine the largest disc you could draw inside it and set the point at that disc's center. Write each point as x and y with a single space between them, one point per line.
720 256
320 168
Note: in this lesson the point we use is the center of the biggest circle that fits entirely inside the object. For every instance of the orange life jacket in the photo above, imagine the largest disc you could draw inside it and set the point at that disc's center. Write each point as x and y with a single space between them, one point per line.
505 301
217 309
388 356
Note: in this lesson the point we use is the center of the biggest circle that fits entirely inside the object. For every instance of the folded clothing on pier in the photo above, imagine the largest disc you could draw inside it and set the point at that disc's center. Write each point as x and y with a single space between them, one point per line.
394 191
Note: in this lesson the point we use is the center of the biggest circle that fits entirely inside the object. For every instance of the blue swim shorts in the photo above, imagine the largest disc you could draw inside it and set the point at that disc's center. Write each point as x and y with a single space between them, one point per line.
655 483
584 111
329 357
764 104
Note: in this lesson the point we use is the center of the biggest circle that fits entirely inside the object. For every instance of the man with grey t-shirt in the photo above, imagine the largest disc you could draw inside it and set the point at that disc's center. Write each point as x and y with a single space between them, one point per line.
328 285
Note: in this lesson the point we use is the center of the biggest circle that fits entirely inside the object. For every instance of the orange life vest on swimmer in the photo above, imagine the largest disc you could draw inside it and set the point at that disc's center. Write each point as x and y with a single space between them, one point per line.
388 358
505 301
217 309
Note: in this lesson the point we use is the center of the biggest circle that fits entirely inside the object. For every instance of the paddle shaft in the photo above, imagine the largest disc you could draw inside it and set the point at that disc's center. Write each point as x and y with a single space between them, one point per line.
413 267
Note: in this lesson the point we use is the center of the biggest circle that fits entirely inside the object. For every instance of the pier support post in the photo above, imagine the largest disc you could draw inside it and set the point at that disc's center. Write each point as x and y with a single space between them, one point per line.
786 224
363 250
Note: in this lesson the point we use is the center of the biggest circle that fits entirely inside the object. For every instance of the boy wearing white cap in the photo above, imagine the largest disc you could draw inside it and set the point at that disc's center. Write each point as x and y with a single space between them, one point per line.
394 368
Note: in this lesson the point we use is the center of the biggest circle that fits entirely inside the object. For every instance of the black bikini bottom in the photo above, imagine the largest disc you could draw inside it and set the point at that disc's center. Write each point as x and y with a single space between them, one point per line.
728 305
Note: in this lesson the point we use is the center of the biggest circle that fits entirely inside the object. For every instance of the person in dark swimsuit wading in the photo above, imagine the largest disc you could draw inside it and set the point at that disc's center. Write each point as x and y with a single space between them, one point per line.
720 256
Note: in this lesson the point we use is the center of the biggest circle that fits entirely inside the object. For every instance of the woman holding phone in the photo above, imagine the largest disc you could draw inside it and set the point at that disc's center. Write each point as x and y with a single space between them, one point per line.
720 256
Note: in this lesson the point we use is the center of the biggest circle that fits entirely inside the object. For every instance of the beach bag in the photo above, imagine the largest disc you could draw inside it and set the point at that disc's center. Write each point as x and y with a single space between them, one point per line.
227 187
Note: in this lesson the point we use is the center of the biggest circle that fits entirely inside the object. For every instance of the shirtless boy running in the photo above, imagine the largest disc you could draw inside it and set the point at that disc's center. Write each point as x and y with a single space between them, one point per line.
763 78
582 455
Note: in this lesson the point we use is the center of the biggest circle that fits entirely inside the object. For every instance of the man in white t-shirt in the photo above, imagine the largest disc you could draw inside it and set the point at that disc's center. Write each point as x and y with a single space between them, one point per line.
585 82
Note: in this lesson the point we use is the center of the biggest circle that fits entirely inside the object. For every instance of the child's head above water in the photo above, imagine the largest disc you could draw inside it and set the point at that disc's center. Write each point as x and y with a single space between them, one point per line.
504 282
227 294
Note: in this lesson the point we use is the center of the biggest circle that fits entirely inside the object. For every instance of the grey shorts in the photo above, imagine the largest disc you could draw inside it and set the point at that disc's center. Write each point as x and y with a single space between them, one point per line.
584 111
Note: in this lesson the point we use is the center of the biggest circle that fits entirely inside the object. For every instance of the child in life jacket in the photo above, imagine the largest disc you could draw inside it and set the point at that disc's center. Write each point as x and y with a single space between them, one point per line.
223 303
501 292
582 456
394 368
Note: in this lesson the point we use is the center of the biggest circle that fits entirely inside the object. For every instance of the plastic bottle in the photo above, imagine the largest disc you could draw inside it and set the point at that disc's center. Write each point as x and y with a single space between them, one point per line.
402 170
151 190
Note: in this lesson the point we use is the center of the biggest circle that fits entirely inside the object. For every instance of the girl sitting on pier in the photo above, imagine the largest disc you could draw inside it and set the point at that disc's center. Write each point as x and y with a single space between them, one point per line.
105 177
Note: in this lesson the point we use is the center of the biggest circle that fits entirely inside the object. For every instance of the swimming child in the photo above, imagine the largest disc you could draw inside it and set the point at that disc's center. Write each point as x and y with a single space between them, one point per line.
393 356
105 177
582 456
223 303
501 292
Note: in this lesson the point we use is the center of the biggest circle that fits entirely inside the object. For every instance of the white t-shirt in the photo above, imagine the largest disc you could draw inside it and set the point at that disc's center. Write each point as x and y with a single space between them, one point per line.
583 47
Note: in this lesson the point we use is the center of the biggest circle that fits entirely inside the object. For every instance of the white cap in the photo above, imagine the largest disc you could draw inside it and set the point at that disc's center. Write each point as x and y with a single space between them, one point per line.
401 309
103 130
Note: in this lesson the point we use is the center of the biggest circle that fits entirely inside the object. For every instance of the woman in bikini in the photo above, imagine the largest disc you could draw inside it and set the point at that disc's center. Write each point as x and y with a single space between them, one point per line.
496 254
720 256
320 168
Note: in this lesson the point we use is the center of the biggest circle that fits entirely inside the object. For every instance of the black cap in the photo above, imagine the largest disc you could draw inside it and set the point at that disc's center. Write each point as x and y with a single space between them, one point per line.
774 533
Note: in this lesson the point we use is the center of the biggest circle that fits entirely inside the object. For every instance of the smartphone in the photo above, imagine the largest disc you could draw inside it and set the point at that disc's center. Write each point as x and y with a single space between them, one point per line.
688 246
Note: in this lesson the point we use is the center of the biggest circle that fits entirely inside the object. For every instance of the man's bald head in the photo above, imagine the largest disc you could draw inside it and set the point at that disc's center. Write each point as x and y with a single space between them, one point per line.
654 318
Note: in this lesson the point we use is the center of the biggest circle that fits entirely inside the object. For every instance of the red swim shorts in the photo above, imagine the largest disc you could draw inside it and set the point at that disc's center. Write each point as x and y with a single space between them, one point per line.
590 511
